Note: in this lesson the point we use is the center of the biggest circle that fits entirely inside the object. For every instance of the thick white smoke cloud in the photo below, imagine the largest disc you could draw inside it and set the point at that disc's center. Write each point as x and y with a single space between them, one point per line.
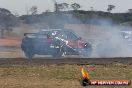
105 36
111 43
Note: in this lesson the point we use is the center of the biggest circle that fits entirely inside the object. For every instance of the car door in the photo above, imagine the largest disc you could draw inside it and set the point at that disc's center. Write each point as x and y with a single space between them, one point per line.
42 43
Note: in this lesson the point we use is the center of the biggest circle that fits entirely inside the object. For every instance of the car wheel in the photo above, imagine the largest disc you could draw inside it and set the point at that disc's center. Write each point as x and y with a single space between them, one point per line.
29 53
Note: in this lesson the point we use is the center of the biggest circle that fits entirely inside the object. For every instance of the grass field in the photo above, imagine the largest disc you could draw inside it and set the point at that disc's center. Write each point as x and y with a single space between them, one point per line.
59 76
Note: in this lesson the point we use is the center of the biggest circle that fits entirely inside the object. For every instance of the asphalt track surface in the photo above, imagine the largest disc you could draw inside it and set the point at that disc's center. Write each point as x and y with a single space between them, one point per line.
66 60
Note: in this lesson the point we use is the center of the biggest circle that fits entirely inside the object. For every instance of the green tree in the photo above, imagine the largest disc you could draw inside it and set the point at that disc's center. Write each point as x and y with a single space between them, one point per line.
55 6
63 6
75 6
7 21
34 10
129 10
110 8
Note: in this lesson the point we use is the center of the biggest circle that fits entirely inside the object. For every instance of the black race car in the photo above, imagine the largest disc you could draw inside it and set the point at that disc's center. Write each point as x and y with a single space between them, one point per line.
55 42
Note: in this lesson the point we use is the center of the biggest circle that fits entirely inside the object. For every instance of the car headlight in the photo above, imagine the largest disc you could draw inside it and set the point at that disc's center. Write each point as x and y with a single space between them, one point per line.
86 45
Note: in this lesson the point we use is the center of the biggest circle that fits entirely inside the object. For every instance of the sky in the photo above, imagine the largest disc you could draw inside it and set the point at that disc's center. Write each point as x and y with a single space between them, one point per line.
21 6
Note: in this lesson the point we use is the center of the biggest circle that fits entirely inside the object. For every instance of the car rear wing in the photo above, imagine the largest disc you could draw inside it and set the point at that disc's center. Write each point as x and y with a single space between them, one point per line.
30 35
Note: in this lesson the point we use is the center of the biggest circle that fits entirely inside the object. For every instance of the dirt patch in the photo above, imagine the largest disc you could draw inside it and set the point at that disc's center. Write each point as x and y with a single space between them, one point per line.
10 42
66 60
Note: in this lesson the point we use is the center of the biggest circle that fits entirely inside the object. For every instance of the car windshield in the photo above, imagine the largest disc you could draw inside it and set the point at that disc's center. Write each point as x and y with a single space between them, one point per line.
71 36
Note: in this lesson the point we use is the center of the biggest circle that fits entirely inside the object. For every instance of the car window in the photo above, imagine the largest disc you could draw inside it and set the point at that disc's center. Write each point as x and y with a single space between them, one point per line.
71 36
62 35
42 36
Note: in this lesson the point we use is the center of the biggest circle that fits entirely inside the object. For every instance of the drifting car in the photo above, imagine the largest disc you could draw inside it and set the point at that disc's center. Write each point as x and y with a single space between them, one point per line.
127 36
55 42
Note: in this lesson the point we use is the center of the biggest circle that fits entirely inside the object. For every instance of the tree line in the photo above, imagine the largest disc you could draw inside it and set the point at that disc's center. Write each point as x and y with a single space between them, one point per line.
64 13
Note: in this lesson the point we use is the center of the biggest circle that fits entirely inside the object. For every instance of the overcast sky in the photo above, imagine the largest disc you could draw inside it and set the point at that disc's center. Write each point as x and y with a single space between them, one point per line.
20 6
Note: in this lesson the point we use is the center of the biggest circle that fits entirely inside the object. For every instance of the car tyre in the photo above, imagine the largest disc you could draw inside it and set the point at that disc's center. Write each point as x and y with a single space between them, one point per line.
29 53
